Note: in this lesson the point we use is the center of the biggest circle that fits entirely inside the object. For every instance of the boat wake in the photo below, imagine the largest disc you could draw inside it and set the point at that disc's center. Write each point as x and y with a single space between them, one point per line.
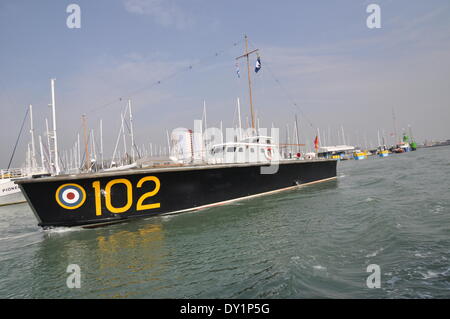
17 236
61 230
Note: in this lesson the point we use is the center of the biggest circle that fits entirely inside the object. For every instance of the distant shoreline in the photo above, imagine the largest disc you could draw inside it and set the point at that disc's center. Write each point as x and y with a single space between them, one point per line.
437 145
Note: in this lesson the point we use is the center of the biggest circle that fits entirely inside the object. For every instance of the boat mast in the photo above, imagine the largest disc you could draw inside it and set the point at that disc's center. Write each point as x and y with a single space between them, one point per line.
101 141
86 146
168 141
42 152
33 147
288 148
395 126
132 133
54 136
246 55
124 139
410 133
78 151
94 151
204 114
379 140
343 135
117 144
50 161
298 137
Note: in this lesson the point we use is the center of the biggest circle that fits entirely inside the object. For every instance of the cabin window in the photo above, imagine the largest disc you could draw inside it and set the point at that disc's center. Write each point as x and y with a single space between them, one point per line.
267 141
252 150
231 149
241 149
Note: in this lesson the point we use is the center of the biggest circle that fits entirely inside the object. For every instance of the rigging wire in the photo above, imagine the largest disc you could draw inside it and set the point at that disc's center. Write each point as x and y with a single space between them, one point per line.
162 80
18 138
286 92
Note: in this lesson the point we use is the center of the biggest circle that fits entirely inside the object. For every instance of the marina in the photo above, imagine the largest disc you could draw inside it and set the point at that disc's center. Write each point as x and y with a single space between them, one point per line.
292 244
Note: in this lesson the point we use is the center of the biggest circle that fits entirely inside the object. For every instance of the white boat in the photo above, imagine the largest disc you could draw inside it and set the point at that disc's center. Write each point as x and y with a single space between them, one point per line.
9 191
8 187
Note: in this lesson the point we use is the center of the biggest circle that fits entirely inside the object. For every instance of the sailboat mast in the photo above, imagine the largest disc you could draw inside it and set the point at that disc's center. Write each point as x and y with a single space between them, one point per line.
246 55
78 151
55 139
249 83
48 145
168 141
395 126
343 135
94 151
123 136
33 147
379 141
132 133
42 152
204 114
298 136
101 141
288 148
86 146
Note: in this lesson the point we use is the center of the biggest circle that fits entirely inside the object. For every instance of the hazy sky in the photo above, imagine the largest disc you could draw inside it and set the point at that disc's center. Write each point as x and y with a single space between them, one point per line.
323 55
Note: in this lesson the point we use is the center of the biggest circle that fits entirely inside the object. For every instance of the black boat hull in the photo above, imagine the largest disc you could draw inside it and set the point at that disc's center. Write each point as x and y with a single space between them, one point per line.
88 199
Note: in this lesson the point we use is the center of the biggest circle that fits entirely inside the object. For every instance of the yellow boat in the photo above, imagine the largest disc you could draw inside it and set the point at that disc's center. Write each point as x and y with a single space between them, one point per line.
358 155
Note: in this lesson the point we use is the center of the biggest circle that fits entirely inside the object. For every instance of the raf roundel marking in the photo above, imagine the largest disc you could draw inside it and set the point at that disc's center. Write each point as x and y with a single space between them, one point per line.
70 196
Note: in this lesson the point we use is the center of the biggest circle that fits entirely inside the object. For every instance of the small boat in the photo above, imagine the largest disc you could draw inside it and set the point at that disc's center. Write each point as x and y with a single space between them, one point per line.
338 152
9 191
359 155
412 143
383 152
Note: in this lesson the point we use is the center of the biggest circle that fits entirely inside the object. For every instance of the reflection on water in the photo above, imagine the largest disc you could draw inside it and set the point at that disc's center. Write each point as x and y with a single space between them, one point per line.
134 254
110 258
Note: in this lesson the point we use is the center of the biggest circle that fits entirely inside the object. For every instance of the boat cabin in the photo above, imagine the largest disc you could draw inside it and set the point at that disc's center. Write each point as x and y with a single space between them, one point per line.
248 150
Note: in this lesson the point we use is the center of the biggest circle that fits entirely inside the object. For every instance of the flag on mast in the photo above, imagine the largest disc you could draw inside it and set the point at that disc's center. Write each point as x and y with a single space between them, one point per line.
316 143
258 65
237 70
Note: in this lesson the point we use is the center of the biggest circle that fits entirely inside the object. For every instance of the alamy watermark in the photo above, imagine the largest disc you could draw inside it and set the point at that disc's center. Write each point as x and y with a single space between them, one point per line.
374 19
374 279
74 19
238 146
74 279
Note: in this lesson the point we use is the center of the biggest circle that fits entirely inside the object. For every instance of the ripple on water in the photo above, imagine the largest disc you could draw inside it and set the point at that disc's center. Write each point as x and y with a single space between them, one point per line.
316 241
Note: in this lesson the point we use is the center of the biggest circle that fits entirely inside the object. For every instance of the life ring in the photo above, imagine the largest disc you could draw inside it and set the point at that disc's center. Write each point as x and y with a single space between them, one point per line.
268 153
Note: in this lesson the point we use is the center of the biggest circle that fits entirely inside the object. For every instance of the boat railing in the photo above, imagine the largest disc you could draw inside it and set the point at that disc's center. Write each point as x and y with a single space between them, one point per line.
12 173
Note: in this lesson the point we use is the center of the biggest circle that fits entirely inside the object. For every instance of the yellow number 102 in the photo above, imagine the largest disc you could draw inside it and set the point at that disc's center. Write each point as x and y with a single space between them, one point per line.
127 183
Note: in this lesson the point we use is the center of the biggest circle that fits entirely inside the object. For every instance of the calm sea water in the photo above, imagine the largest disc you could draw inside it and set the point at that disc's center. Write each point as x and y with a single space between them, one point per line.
316 241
